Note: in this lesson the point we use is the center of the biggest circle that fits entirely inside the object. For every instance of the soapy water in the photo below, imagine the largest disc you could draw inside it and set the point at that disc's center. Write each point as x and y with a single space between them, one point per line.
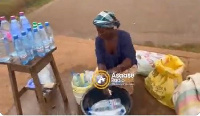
107 107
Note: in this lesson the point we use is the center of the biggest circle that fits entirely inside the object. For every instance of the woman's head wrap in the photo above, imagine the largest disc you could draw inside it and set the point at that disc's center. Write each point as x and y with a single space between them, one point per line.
106 19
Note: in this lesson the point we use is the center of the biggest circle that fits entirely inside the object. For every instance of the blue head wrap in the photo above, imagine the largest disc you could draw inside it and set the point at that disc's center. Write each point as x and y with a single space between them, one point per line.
106 19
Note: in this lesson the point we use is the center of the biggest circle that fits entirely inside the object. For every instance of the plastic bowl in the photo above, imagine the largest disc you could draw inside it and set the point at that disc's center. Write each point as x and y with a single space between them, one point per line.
94 95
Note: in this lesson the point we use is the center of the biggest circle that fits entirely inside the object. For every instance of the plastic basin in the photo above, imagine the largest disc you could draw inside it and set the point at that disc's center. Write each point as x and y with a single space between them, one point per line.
93 95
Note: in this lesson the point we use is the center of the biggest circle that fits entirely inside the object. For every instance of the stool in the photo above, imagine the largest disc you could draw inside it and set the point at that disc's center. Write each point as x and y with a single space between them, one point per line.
33 68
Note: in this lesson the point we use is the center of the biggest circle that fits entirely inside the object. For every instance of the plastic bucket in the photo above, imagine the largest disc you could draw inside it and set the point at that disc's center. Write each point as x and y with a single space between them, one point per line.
79 92
95 95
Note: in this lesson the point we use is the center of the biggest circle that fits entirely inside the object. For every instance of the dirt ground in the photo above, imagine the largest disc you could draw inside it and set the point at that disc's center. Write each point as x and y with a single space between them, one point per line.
75 54
153 20
157 21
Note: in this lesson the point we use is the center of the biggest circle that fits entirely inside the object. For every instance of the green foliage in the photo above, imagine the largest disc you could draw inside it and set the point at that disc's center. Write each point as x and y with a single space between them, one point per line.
185 47
12 7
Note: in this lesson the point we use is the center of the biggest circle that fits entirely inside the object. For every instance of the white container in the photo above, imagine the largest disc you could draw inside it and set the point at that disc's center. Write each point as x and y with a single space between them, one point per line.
79 92
46 75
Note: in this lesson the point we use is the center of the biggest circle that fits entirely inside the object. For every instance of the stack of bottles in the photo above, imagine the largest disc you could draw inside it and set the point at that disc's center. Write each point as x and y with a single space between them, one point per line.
82 79
18 39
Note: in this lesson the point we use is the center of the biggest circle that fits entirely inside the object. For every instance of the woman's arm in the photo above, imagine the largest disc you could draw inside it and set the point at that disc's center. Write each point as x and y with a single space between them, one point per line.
126 64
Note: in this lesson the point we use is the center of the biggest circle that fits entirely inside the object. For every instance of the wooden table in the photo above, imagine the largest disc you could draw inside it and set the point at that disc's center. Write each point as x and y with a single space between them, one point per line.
33 68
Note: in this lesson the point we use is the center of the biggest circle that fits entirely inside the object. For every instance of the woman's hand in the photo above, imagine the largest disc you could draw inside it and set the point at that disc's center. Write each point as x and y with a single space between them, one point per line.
115 70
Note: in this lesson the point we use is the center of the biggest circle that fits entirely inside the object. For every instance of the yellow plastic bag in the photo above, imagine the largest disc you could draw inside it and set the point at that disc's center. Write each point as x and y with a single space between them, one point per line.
163 80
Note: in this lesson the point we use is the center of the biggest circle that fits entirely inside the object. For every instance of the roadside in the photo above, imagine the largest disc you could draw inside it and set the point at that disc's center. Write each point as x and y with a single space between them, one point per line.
182 35
184 47
73 18
76 54
12 7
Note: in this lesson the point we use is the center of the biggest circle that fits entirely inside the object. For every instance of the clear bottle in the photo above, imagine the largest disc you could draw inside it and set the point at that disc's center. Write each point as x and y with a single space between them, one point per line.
5 29
39 47
4 49
49 32
20 49
45 39
34 26
15 27
32 40
27 45
24 22
5 25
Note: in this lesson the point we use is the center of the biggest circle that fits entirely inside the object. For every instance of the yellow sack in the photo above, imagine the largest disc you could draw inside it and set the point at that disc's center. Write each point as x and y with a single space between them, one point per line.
162 81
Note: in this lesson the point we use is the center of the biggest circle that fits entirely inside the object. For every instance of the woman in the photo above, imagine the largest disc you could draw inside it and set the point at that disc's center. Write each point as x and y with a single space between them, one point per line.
114 49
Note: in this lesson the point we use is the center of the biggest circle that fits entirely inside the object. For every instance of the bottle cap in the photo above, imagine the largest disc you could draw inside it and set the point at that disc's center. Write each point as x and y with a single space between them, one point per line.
34 23
39 24
23 33
122 111
29 29
34 26
15 36
40 27
12 17
46 23
2 18
21 13
35 30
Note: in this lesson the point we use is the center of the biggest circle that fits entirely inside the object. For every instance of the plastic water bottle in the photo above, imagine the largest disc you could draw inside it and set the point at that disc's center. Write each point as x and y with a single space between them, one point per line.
32 40
15 27
38 43
24 21
34 26
49 32
4 49
5 29
5 25
27 45
45 39
20 49
11 50
108 107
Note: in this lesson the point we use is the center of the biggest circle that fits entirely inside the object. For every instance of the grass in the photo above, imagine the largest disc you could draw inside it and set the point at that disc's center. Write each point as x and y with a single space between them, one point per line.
12 7
34 4
185 47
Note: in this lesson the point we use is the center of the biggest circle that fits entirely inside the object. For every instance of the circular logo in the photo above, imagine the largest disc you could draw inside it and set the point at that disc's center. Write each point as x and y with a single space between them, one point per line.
101 79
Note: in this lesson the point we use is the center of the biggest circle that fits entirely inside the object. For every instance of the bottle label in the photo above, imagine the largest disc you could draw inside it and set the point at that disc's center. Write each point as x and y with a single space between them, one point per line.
40 49
23 56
